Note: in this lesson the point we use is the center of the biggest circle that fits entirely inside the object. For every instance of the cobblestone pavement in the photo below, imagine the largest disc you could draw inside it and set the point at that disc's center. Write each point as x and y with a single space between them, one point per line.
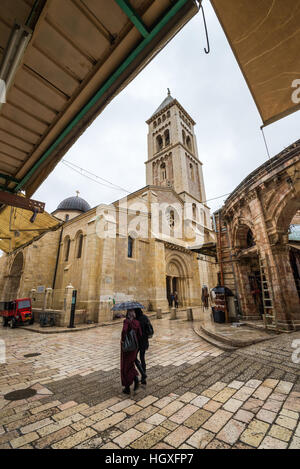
197 396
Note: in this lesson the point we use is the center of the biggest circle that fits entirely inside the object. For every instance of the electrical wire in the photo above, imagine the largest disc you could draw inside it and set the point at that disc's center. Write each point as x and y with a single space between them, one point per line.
95 175
264 137
80 171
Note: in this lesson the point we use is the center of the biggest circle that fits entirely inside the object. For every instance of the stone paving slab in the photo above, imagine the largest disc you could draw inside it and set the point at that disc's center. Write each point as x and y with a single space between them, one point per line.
197 396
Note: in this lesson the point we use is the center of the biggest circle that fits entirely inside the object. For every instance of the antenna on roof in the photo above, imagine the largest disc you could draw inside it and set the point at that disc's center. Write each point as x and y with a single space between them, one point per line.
169 92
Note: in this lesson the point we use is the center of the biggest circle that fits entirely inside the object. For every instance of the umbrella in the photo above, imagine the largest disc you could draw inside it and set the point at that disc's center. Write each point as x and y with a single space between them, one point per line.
222 290
127 305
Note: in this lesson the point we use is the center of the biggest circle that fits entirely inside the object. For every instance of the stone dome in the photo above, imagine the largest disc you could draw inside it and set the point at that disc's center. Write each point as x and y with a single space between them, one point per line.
74 203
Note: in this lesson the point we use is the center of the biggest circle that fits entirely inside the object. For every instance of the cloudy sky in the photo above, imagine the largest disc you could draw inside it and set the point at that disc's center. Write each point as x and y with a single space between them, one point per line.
210 87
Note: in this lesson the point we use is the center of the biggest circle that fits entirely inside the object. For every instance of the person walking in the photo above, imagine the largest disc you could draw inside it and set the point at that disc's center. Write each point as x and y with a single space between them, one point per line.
172 298
147 331
176 299
129 373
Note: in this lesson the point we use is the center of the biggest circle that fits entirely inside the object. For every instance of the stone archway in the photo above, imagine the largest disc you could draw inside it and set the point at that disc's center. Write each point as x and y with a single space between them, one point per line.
248 272
177 279
287 254
265 203
14 277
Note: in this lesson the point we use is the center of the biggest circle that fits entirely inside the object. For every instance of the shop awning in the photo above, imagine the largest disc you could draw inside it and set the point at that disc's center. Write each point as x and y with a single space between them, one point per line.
295 246
265 38
16 229
64 62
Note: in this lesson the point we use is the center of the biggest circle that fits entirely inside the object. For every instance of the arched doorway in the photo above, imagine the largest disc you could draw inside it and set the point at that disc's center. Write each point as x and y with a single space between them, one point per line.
177 280
15 277
287 253
249 272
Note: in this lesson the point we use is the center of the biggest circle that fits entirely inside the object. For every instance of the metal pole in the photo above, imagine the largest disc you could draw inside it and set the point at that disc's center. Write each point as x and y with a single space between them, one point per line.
73 307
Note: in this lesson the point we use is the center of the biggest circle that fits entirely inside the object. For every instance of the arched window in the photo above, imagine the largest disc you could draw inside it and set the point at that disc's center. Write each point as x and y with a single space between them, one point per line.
172 219
159 143
163 171
67 217
192 172
79 245
130 247
189 142
194 211
67 244
183 137
250 239
167 137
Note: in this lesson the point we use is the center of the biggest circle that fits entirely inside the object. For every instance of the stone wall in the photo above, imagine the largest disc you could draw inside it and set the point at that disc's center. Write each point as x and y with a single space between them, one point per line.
265 203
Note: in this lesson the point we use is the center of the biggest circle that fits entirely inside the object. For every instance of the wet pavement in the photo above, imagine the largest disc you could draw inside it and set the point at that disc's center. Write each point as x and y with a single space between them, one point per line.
197 396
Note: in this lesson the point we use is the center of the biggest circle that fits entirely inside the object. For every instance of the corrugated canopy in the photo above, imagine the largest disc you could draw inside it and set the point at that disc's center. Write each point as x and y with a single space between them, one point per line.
80 55
265 38
14 220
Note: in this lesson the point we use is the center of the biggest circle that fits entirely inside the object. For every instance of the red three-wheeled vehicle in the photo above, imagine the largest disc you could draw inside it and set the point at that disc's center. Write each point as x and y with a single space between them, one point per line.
17 312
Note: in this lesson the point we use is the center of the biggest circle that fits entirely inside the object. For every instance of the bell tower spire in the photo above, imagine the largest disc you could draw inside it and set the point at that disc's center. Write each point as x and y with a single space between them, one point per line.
172 151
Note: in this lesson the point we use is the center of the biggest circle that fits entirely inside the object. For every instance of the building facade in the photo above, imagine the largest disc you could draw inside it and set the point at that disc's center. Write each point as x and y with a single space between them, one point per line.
136 248
258 242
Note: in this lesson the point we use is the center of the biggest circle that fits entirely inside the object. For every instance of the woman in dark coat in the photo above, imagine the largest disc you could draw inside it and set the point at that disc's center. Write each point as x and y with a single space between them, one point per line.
129 373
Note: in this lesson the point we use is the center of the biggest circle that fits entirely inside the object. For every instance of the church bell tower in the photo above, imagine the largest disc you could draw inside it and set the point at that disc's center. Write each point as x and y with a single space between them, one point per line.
172 151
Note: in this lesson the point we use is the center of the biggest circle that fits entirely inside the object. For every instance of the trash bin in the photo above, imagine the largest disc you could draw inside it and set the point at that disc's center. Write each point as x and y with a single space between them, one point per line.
218 315
47 319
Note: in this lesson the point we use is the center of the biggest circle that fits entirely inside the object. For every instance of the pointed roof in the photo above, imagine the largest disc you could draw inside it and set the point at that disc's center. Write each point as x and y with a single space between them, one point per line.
168 100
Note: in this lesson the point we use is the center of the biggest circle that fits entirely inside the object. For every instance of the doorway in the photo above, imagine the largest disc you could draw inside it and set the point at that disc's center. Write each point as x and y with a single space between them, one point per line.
172 284
295 265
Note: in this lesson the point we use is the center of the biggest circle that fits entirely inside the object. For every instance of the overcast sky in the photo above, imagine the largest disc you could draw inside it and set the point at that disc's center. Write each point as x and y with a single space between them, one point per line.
210 87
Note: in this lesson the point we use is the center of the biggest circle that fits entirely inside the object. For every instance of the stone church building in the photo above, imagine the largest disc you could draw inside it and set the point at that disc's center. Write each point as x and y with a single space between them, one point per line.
137 248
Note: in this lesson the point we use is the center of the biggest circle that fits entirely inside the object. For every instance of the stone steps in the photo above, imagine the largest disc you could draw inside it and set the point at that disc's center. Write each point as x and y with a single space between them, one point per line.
217 343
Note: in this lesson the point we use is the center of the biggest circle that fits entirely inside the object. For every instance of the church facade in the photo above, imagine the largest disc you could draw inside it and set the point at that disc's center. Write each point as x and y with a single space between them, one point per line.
137 248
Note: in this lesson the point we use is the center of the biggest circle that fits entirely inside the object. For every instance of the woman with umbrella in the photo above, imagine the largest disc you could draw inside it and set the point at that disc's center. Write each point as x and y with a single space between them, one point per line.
129 373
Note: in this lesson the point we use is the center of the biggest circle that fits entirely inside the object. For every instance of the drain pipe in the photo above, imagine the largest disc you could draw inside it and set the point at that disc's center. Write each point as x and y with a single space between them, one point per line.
57 258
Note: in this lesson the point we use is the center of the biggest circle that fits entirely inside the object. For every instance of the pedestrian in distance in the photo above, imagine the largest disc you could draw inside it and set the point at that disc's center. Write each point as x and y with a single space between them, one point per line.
147 333
131 334
172 299
176 299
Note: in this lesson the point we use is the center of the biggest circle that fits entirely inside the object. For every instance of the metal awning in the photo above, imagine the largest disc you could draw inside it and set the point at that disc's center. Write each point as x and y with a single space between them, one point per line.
16 229
295 246
207 249
265 38
65 61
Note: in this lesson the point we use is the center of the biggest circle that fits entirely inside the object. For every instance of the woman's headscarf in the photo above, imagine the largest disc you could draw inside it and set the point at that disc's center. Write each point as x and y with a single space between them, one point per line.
130 315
